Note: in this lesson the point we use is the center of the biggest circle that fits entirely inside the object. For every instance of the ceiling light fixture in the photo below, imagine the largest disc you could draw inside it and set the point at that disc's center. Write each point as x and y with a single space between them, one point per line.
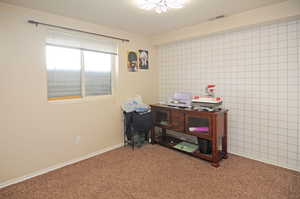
160 5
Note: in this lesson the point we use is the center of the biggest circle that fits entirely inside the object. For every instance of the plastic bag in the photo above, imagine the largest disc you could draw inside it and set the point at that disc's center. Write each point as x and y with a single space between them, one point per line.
135 104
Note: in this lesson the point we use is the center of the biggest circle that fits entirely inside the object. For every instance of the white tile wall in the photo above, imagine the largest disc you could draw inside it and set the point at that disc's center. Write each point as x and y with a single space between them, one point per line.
257 72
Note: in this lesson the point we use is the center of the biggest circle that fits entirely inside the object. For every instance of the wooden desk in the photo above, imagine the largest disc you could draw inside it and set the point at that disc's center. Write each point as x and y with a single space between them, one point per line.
180 120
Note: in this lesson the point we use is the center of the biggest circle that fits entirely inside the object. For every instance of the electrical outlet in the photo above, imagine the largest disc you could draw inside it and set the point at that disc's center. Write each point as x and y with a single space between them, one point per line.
77 139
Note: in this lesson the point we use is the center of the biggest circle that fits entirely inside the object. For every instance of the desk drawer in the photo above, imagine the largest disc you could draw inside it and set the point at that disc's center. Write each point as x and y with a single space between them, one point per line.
198 125
177 120
161 117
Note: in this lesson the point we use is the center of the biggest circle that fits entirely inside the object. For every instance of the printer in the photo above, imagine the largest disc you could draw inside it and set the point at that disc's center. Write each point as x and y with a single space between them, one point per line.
181 99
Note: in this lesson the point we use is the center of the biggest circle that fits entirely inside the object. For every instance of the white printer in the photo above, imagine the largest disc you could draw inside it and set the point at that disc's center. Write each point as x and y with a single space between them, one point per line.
181 99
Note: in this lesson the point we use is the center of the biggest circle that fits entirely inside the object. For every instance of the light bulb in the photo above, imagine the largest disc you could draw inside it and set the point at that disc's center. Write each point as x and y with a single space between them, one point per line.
164 8
160 5
146 5
158 10
175 3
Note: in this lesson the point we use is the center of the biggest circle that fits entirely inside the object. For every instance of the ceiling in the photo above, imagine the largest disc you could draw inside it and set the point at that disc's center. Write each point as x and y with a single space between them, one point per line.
125 15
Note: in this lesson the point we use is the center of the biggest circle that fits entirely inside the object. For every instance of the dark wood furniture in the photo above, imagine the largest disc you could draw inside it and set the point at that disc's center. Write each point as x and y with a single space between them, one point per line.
181 120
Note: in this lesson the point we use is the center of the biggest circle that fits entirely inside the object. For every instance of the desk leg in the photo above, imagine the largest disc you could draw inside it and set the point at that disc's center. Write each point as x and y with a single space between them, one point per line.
215 152
153 135
224 138
215 161
164 133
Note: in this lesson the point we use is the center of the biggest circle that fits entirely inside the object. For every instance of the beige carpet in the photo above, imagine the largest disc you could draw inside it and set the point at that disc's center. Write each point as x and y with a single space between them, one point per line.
156 172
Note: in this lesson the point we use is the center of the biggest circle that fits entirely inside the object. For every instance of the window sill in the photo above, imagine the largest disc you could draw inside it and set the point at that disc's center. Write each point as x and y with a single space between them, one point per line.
81 100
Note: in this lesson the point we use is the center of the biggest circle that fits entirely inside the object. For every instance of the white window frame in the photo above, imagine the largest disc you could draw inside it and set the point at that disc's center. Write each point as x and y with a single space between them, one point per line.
84 98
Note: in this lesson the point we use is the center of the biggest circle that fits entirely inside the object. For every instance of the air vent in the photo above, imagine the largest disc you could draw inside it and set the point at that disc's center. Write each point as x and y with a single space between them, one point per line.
217 17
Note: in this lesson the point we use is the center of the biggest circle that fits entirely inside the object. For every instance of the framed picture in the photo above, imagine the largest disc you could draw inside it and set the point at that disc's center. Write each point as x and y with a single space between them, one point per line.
132 61
143 59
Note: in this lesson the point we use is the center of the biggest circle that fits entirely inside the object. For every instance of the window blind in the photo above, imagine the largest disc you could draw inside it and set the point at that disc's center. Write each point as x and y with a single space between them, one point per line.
64 72
81 41
98 68
79 65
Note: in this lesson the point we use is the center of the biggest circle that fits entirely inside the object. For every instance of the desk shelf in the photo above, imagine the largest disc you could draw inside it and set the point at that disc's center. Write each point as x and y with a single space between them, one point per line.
181 120
170 142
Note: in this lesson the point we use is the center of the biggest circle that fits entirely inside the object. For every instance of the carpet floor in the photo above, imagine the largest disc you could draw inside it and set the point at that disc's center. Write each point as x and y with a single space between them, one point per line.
156 172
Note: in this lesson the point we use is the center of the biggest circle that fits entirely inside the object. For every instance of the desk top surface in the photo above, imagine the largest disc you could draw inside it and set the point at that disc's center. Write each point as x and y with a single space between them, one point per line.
187 109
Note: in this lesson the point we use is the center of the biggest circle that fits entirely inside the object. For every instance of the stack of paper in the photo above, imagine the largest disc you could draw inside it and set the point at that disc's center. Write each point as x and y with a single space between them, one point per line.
185 146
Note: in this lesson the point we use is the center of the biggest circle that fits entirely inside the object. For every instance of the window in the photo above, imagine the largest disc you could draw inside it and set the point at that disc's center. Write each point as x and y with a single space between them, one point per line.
76 72
64 73
97 79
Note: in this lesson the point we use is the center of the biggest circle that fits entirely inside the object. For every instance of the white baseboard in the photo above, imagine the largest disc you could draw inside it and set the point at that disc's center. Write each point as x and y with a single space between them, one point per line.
264 161
58 166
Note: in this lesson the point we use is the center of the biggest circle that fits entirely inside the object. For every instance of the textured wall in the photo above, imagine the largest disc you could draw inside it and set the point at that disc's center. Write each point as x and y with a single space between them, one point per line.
36 134
257 72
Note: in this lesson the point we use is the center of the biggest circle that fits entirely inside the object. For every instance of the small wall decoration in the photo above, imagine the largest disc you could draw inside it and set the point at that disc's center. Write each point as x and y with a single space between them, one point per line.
143 59
132 61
